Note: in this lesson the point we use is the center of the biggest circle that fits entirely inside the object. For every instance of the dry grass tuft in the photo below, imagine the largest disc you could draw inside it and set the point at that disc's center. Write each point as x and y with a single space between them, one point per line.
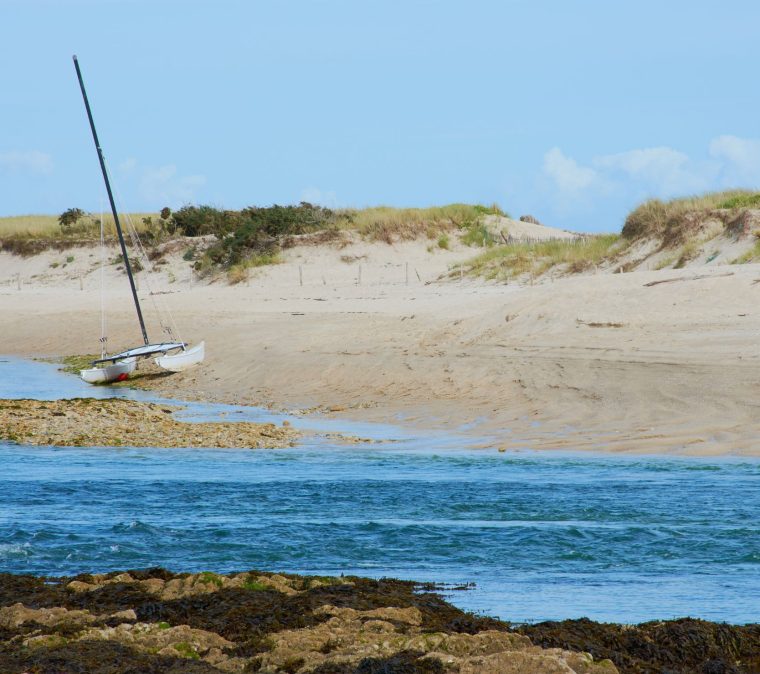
241 272
27 235
518 259
407 224
673 221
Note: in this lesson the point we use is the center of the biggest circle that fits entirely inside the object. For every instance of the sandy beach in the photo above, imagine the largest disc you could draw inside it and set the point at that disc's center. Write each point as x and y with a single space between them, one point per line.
648 361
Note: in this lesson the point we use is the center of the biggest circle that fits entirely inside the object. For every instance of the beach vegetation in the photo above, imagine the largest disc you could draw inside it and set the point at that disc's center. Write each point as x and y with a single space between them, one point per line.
27 235
388 224
535 258
684 227
209 577
741 199
673 220
186 650
751 255
689 251
69 218
665 262
240 272
477 234
202 220
234 241
157 229
73 364
493 209
254 236
163 625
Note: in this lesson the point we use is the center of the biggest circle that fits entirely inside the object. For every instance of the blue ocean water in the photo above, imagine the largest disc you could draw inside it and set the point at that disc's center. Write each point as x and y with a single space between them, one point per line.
542 535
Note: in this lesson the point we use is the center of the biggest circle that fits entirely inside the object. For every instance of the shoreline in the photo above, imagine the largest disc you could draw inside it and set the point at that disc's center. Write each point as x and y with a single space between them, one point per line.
267 435
602 362
164 621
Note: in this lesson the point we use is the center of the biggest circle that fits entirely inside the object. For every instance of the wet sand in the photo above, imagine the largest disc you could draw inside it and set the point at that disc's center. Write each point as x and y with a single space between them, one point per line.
601 362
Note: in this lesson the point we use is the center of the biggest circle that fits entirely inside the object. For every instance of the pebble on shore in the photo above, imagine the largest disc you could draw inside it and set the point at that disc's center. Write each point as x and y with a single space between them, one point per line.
117 423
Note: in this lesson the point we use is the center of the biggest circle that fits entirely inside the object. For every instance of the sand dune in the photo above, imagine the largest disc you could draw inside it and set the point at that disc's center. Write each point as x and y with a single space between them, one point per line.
607 362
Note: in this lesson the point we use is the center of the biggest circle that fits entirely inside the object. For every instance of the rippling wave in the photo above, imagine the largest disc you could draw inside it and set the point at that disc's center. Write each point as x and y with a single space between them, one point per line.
542 535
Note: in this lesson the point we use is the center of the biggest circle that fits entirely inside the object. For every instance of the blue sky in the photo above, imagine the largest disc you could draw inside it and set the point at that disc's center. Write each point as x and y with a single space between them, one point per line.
573 111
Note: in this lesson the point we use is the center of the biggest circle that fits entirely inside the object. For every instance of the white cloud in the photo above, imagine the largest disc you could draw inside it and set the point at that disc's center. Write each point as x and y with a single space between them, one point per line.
740 158
128 165
661 169
162 186
30 161
653 172
570 178
314 195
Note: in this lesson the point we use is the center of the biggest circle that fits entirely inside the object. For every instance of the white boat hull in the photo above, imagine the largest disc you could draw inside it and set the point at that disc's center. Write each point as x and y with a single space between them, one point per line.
117 371
183 360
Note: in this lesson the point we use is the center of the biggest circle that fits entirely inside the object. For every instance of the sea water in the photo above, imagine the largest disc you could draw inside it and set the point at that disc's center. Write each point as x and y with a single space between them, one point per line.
541 535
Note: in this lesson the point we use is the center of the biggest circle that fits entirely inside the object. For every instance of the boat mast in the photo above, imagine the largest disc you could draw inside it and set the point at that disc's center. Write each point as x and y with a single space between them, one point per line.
113 204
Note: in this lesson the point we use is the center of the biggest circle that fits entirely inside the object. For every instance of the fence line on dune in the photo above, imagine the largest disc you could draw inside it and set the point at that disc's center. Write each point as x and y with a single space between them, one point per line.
406 276
575 239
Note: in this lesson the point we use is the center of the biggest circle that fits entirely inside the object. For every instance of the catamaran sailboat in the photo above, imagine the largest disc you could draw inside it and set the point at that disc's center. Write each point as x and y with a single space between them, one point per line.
173 355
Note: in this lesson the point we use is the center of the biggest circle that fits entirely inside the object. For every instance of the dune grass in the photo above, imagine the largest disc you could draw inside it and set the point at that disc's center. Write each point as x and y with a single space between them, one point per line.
670 219
380 223
383 223
47 227
252 237
241 272
752 255
741 199
517 259
32 234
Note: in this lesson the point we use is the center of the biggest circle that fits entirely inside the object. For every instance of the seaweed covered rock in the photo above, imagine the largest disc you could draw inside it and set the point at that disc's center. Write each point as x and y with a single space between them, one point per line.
677 646
156 621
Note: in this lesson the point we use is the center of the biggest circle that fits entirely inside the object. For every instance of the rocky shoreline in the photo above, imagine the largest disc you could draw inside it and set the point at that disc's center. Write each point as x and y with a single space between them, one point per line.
115 422
205 623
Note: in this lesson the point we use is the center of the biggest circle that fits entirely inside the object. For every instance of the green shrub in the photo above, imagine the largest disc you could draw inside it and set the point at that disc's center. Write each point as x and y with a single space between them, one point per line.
258 232
201 220
69 218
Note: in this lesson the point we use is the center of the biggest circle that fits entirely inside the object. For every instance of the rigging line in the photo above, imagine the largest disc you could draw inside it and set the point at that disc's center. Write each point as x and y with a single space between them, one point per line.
103 325
155 298
172 328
